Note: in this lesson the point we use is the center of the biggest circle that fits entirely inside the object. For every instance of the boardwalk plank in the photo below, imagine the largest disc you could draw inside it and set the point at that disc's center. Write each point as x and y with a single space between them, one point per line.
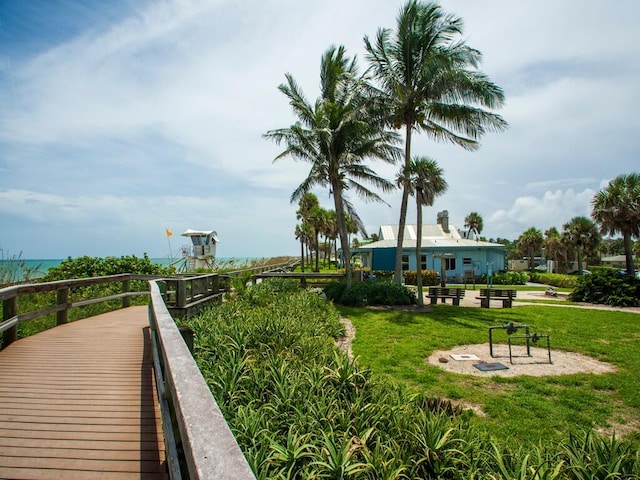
78 402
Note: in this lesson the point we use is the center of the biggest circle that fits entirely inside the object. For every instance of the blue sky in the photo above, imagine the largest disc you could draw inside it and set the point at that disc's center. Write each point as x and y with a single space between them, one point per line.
120 119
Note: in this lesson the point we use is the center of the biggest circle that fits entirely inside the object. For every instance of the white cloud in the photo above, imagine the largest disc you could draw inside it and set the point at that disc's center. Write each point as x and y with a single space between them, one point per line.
553 209
155 120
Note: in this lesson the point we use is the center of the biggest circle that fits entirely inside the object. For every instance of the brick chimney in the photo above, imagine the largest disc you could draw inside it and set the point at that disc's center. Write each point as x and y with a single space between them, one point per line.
443 220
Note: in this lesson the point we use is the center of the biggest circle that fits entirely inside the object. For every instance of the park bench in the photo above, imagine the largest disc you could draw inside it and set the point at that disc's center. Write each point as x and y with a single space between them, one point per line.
455 294
488 294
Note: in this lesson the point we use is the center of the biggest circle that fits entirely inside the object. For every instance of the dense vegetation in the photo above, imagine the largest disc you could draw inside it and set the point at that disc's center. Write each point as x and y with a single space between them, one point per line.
369 292
301 409
609 287
86 267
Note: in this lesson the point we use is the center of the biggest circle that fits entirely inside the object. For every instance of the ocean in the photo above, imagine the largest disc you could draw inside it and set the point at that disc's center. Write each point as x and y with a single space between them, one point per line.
39 267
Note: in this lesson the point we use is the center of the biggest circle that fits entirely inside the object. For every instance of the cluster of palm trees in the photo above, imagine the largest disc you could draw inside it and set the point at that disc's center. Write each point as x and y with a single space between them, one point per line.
422 77
615 210
316 222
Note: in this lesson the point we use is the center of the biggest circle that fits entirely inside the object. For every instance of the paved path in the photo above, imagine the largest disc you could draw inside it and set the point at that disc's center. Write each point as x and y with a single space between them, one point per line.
78 402
470 300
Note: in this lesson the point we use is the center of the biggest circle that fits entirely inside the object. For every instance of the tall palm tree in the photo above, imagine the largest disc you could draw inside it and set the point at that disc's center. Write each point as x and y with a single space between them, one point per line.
473 223
583 235
429 83
617 210
335 136
530 243
426 182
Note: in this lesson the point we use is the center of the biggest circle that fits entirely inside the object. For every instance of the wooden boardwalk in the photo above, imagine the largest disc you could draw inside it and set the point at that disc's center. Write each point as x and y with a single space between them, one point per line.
78 402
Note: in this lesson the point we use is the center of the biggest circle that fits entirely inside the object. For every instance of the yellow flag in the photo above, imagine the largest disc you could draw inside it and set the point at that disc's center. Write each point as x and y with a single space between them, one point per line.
169 233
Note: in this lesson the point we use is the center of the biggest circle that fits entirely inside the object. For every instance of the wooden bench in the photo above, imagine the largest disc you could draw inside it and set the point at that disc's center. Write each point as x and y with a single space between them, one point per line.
455 294
488 294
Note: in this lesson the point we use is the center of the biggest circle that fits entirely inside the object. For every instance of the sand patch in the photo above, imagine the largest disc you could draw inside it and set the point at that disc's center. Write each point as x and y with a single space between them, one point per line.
536 365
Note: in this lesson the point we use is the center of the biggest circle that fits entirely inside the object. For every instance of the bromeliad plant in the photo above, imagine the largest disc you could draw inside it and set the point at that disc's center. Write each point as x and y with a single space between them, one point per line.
301 409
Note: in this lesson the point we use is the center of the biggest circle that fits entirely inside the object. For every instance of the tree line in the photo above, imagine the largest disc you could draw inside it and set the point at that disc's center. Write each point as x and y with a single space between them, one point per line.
421 77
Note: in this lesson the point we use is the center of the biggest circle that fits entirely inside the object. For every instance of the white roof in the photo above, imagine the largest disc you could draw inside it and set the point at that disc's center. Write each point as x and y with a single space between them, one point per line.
200 233
433 236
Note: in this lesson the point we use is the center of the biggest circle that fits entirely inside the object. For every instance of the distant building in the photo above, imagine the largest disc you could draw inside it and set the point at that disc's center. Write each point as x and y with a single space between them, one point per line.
616 261
443 245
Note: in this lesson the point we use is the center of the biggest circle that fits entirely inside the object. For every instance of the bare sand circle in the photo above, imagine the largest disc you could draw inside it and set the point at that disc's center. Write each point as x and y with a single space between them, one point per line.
536 365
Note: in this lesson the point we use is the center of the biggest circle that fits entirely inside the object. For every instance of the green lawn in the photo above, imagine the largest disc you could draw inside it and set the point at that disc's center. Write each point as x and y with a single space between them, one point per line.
396 344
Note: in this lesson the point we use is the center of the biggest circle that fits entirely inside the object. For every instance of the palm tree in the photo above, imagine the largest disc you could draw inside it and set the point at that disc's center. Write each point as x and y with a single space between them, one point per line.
307 204
426 182
582 234
554 247
617 210
335 136
530 243
473 223
429 82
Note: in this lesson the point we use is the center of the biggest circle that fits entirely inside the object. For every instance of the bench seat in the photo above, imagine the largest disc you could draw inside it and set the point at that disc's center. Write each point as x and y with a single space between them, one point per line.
455 294
488 294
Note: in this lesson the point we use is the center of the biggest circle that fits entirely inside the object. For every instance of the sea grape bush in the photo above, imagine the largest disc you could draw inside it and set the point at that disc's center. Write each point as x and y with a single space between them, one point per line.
86 267
299 408
609 287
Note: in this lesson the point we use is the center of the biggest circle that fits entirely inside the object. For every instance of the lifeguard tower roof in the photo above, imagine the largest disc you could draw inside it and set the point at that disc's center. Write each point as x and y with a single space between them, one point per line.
201 233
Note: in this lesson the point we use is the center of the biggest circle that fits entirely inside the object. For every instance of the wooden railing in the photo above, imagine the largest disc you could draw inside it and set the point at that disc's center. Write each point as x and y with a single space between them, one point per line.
307 279
277 267
204 442
12 315
198 442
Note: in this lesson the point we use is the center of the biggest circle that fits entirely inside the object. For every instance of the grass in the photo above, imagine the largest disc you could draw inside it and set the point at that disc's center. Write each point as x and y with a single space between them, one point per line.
529 409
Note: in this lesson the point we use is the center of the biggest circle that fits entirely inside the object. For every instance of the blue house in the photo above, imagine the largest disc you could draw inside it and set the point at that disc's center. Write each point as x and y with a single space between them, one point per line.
444 248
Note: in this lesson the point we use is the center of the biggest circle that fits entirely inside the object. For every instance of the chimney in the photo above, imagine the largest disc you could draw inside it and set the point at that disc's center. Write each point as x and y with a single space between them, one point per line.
443 220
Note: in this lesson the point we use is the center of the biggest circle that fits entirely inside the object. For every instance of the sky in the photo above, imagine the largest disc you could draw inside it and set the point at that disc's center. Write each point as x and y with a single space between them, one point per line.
121 119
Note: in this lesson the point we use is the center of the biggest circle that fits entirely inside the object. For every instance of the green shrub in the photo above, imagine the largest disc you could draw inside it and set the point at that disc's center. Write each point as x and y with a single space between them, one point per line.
608 287
383 274
510 278
429 277
87 267
370 292
554 279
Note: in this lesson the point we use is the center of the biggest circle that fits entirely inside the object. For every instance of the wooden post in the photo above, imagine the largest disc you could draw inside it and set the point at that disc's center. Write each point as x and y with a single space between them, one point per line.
181 293
62 316
216 284
9 310
126 286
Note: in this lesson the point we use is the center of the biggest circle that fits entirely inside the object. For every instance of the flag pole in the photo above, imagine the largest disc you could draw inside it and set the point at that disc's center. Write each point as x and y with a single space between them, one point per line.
169 233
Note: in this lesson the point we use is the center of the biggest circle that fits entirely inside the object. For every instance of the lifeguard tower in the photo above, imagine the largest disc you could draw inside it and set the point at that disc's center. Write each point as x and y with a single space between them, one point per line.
201 253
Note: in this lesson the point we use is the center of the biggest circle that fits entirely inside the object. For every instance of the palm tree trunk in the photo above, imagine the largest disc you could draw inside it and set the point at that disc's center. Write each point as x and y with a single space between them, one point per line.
302 253
628 252
342 232
397 278
317 252
579 259
419 252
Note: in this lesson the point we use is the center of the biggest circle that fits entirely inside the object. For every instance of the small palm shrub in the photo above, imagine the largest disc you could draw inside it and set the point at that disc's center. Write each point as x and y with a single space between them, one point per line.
370 292
609 287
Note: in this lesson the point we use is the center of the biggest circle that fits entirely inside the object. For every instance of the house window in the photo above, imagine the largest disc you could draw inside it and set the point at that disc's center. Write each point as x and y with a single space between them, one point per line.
466 261
450 263
423 262
405 262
